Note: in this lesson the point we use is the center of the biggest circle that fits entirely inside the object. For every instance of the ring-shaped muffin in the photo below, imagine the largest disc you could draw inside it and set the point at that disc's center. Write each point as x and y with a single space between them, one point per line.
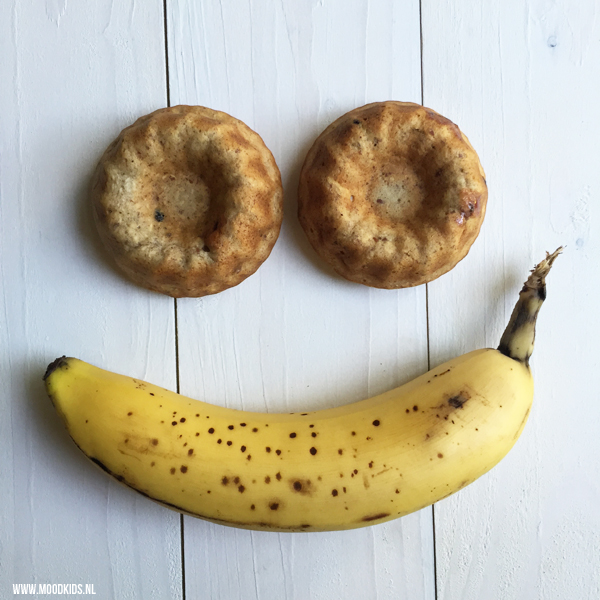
188 201
392 195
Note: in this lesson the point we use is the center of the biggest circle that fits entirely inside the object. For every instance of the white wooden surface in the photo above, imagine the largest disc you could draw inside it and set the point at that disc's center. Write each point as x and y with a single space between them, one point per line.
520 78
71 77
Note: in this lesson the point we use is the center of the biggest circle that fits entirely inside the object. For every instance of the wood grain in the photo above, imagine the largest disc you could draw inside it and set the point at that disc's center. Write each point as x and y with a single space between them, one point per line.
72 76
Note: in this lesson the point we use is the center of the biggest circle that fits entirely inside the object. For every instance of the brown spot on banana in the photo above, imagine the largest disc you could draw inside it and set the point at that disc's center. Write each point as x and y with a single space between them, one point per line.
458 400
301 486
384 471
376 517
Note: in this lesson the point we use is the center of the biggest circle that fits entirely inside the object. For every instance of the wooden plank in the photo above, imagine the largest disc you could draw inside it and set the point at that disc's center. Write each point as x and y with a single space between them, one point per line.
73 74
294 336
519 79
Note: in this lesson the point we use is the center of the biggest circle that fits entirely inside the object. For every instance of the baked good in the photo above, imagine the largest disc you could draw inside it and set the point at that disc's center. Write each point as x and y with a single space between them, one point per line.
188 201
392 195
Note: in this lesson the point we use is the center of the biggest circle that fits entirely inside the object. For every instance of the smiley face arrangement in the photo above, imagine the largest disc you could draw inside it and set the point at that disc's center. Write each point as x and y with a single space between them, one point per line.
339 468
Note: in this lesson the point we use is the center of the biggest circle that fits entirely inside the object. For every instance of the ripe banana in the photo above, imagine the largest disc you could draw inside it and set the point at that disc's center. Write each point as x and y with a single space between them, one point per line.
333 469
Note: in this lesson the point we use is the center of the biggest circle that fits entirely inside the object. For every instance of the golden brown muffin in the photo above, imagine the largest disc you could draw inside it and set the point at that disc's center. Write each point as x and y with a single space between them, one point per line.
188 201
392 195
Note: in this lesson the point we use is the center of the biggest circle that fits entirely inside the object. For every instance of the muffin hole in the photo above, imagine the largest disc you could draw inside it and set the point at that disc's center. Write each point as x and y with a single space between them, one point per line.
199 193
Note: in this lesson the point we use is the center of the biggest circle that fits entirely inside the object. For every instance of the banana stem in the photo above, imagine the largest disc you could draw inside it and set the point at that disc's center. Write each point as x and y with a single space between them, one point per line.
519 336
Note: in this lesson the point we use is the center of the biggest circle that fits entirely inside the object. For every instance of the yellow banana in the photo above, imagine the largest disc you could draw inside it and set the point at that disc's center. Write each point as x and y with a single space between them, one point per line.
333 469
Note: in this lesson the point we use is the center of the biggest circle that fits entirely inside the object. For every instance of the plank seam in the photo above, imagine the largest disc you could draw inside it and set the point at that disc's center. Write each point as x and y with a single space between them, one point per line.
167 79
177 379
435 574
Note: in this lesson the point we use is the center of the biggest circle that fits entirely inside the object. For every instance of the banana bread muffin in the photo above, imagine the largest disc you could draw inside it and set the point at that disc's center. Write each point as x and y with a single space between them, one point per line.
392 195
188 201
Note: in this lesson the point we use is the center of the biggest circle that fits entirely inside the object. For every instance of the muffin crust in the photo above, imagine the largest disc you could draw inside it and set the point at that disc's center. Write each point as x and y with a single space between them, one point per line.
392 195
188 201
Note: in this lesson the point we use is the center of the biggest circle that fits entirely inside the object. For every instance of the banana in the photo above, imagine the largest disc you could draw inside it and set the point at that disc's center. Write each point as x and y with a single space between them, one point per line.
339 468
